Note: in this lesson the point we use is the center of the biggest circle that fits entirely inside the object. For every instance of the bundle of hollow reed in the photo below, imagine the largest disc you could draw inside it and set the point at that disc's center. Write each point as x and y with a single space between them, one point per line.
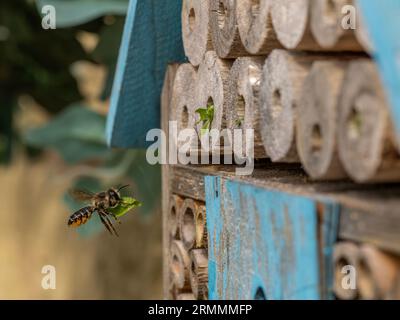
188 255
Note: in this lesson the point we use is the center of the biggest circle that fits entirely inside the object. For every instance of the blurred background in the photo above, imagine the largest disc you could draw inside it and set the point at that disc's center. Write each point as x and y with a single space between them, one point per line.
54 92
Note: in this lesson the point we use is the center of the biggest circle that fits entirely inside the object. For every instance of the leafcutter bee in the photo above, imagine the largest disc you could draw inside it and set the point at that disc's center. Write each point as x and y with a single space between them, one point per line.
100 203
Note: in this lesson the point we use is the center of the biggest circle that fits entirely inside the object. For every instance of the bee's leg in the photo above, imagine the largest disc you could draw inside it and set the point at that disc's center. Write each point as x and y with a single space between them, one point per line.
103 221
115 217
110 223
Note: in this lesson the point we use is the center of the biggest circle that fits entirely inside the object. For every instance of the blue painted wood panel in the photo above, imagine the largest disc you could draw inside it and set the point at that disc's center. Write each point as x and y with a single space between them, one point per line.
382 19
264 244
152 39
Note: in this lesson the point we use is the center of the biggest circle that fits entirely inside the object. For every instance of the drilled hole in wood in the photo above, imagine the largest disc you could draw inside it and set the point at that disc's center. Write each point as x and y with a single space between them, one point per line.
316 138
255 8
200 220
354 124
185 117
192 19
277 106
240 111
188 228
222 14
330 12
193 267
173 223
260 295
175 267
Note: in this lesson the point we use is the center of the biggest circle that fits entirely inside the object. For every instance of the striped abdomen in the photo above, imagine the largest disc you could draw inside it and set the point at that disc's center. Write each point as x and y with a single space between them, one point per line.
81 216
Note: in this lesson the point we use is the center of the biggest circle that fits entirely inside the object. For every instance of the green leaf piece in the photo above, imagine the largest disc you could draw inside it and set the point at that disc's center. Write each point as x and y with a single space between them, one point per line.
125 206
206 118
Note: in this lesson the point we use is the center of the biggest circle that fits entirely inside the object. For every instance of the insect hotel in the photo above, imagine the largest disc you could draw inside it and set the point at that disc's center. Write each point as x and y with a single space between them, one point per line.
318 83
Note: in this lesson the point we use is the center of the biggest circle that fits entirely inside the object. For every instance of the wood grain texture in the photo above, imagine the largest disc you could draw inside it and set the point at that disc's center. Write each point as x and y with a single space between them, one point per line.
366 137
327 28
291 21
187 223
281 85
183 102
180 267
196 30
199 273
316 125
368 213
175 207
243 100
166 96
224 30
201 227
255 26
212 87
373 218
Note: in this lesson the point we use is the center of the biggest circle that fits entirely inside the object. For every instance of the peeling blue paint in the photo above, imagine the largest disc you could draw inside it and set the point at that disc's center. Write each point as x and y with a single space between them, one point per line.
261 239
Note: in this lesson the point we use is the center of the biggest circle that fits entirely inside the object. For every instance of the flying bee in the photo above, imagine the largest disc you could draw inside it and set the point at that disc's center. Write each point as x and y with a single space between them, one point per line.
100 203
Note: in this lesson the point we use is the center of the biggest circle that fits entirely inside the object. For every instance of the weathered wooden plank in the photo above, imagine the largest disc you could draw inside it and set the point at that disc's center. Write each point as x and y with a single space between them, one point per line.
151 39
376 223
262 243
377 207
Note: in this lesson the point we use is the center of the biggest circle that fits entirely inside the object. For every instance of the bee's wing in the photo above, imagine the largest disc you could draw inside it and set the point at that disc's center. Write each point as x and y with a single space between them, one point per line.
81 195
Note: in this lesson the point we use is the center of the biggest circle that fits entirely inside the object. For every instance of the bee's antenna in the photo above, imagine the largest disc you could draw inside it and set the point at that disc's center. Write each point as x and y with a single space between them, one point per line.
125 186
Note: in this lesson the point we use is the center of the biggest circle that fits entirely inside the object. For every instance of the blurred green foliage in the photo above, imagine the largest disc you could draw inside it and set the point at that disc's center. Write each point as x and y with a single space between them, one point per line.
76 12
77 134
36 62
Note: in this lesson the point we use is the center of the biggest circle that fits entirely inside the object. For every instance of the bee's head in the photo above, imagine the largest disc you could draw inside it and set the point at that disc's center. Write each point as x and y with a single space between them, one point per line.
114 196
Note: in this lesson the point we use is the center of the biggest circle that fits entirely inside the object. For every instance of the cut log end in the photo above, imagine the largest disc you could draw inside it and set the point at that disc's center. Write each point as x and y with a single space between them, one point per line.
196 33
199 273
187 223
213 75
174 209
243 99
255 26
365 132
327 20
290 19
281 84
345 254
316 121
183 98
180 266
224 30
